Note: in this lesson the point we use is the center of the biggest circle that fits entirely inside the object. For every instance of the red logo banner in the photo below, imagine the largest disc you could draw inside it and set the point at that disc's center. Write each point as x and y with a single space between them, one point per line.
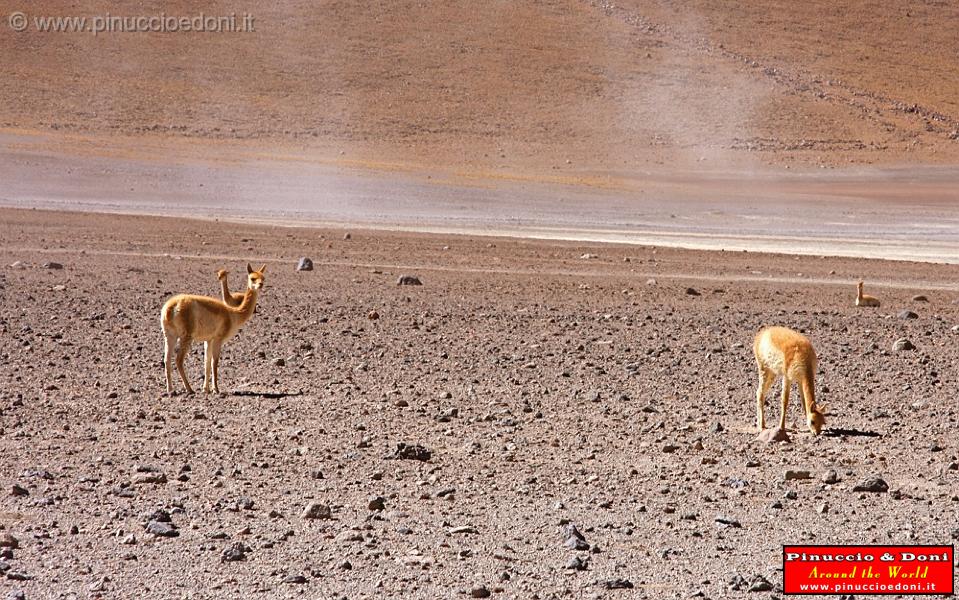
867 570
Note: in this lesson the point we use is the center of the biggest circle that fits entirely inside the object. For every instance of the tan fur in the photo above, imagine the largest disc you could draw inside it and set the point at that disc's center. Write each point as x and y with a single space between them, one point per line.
187 319
789 354
228 298
864 299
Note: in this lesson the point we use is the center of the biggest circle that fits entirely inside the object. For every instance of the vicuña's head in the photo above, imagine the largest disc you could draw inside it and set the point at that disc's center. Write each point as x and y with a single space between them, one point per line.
859 285
255 279
221 274
816 418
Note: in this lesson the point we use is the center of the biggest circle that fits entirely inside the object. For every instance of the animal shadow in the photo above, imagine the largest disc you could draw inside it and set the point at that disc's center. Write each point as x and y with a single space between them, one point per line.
835 432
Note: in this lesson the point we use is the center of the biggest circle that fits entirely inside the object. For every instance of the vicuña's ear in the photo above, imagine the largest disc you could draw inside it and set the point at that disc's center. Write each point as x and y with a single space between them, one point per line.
263 269
822 408
249 269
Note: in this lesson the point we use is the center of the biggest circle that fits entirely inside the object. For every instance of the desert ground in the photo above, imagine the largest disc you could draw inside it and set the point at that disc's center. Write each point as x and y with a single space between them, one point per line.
604 201
552 383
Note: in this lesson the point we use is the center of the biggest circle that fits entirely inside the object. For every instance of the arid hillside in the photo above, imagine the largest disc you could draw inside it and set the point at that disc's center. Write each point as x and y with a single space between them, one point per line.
544 87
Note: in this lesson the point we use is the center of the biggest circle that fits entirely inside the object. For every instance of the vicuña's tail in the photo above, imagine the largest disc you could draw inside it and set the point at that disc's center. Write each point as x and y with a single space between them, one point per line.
166 314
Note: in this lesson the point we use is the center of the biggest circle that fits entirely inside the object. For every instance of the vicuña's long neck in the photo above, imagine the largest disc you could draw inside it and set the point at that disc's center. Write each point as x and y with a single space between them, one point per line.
808 384
859 293
226 289
245 309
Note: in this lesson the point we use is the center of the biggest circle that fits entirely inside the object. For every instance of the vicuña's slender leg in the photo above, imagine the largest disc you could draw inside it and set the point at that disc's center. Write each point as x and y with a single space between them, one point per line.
169 346
185 343
207 367
765 380
786 385
805 400
215 348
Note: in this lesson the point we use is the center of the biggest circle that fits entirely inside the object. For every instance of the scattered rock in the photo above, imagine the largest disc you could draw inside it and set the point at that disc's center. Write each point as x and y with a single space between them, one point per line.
305 264
902 344
480 592
577 564
234 552
760 584
17 490
462 529
830 477
737 582
907 314
16 595
52 265
874 485
161 529
794 474
373 315
294 579
774 434
920 298
617 584
377 503
410 452
315 510
408 280
692 292
573 538
8 541
147 478
159 515
725 521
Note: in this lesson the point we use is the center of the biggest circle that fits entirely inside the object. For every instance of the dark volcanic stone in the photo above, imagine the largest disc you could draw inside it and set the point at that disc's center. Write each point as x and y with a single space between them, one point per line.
315 510
162 529
760 584
234 552
618 584
875 485
410 452
408 280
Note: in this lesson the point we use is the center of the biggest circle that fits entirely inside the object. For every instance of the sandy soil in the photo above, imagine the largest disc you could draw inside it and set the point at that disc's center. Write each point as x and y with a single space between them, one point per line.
549 388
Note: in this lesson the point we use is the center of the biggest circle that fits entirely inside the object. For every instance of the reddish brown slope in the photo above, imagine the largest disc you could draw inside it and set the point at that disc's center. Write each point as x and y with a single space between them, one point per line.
543 87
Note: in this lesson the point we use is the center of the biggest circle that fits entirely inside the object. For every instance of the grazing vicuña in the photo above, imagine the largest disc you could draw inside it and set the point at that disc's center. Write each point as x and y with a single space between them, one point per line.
189 319
787 353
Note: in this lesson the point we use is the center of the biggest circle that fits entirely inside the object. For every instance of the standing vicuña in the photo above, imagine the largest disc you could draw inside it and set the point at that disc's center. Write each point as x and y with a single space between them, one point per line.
228 298
784 352
189 319
865 299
